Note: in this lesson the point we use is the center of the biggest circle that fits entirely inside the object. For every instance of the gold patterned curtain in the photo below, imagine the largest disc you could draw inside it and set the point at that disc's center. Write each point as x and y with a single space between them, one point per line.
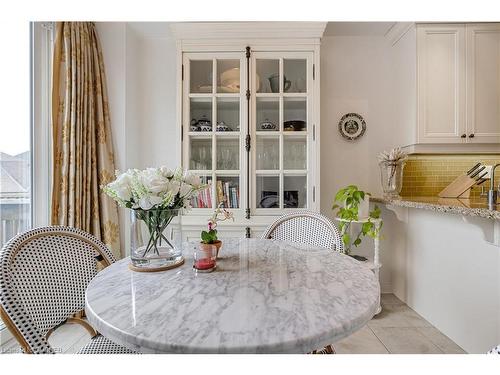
82 146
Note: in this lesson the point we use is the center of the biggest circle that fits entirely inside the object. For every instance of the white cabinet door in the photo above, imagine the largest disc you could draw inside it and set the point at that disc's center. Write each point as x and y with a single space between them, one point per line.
483 83
283 128
441 83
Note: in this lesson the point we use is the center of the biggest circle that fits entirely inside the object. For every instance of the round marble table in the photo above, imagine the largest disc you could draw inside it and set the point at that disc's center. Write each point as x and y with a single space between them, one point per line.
265 296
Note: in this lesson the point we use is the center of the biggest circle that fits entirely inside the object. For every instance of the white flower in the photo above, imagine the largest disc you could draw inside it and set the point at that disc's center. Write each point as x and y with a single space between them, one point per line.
148 202
122 186
185 189
166 172
193 180
154 188
174 186
153 181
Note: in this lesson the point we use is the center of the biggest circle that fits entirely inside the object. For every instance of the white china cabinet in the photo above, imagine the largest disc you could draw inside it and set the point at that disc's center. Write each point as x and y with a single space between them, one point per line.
458 83
249 110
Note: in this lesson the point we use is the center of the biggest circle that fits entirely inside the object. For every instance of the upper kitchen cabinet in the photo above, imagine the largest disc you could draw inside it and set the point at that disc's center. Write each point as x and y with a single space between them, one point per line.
441 83
458 81
483 83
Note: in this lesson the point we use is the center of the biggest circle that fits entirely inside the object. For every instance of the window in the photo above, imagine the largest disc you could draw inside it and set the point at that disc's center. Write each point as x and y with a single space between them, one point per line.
25 163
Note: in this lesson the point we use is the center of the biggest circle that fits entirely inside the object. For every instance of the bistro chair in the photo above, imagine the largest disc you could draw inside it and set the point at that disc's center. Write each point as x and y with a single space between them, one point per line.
44 274
306 227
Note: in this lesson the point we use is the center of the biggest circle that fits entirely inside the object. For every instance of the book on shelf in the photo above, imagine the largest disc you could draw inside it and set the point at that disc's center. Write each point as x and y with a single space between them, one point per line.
227 194
204 198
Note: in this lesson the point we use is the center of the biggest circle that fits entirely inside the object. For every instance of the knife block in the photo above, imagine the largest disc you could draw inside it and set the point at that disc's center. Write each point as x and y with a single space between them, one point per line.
459 188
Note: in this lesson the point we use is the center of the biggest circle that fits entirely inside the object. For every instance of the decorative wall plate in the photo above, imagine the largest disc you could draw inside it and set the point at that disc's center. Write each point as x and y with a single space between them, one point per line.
352 126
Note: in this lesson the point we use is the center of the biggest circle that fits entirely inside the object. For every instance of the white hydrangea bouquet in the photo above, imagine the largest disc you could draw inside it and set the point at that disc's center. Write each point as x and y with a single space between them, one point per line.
156 195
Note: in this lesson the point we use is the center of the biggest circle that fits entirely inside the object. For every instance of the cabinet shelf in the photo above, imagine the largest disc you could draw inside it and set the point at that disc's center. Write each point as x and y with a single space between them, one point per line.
246 186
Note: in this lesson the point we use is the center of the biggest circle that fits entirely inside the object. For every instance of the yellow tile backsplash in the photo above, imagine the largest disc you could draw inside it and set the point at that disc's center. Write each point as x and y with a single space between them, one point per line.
427 175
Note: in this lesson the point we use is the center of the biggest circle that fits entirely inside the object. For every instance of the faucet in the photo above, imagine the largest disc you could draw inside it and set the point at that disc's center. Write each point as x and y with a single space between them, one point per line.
493 193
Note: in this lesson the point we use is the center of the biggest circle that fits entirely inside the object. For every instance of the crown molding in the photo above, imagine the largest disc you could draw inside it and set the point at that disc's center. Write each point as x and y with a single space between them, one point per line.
247 30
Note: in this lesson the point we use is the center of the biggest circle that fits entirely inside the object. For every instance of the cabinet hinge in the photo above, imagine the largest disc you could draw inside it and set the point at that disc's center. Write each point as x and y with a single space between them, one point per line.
182 72
314 193
314 71
248 94
247 142
247 232
247 213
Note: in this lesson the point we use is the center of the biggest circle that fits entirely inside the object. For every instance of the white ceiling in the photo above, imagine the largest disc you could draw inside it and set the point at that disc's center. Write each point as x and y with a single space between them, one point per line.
358 28
162 29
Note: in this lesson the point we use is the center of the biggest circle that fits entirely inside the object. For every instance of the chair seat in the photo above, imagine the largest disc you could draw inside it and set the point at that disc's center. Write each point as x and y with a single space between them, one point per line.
495 350
101 345
329 349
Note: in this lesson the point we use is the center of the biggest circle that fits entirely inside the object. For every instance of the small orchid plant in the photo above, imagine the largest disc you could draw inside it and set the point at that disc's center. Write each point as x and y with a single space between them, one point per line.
220 214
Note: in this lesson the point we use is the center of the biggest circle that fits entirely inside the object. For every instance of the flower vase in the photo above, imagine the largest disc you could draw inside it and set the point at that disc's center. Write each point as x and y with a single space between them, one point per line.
156 238
391 174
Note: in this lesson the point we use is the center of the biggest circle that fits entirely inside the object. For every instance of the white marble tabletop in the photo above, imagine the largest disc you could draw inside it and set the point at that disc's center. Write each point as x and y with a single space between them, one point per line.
266 296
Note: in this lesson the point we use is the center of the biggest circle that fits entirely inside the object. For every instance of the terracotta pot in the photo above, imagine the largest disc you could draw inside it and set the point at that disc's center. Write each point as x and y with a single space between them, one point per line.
217 244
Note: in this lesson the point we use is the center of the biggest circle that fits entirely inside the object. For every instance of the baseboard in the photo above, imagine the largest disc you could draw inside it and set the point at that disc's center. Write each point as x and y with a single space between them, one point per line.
386 288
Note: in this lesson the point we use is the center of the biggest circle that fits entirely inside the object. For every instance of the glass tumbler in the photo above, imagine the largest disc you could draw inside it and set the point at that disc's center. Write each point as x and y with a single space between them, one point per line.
205 257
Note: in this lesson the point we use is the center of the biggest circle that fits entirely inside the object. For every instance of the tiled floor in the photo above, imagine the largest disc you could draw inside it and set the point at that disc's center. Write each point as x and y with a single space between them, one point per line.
397 329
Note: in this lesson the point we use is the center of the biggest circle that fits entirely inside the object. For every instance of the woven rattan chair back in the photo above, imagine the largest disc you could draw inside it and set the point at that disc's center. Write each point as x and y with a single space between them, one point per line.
305 227
44 274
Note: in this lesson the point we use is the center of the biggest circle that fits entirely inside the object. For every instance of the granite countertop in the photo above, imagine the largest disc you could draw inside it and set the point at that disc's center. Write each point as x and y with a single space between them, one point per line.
469 207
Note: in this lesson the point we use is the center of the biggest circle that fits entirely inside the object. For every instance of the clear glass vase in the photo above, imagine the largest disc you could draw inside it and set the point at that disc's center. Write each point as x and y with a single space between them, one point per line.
391 176
156 238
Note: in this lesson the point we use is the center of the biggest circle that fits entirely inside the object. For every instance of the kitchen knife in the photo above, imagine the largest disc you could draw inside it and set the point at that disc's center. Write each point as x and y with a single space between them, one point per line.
481 181
477 172
482 175
473 168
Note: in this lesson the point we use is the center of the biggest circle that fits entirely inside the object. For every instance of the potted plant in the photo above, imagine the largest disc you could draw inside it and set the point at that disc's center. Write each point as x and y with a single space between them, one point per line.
209 237
348 202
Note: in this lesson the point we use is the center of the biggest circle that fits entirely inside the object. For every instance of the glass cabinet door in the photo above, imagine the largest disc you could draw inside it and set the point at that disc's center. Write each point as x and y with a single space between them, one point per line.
282 134
212 126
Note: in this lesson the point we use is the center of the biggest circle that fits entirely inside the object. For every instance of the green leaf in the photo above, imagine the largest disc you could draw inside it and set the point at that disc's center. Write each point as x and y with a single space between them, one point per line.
346 238
357 242
375 213
366 227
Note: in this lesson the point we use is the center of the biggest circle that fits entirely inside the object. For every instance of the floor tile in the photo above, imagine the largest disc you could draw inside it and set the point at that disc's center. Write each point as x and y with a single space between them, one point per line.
398 316
390 299
75 348
363 341
66 336
441 341
404 340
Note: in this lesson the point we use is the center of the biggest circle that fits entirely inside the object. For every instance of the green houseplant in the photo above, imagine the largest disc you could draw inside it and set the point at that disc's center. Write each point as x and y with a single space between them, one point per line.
347 202
209 237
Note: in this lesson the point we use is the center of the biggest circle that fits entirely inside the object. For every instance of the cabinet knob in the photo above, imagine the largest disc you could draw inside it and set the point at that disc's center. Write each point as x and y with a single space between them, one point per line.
471 135
463 136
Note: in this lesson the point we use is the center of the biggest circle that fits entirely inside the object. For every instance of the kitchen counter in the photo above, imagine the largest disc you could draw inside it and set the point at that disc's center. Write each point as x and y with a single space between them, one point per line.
469 207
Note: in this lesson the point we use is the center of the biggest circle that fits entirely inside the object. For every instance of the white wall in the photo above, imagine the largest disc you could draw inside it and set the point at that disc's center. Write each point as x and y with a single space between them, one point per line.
158 102
356 76
140 70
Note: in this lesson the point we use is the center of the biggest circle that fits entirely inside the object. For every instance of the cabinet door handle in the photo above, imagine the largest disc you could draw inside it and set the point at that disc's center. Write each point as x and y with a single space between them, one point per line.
471 135
463 136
